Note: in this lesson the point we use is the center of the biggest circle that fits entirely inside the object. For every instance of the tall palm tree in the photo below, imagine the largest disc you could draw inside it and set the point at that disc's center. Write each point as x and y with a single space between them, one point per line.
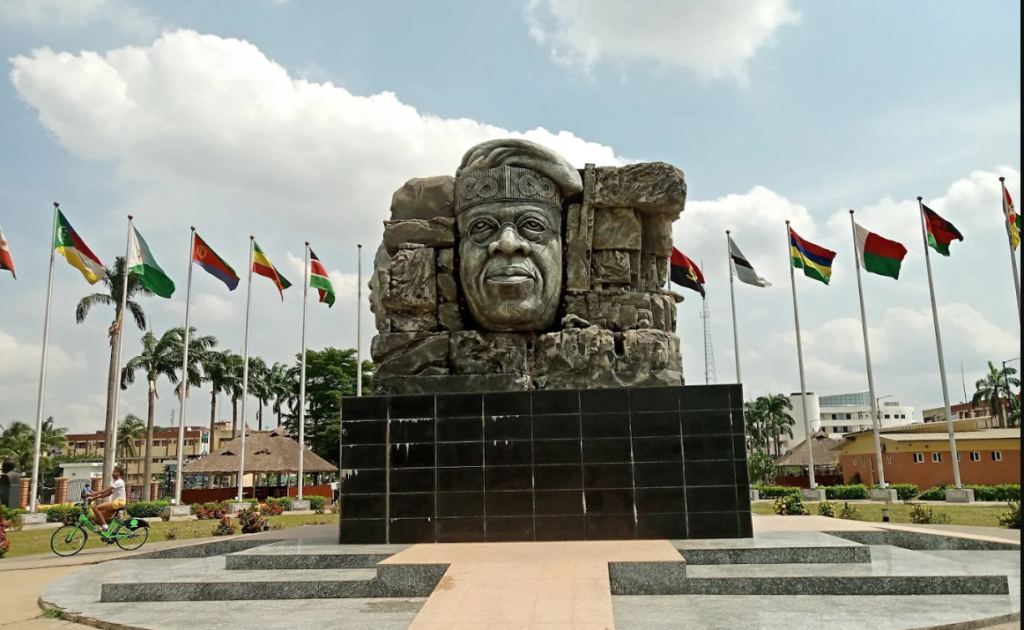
774 411
219 367
283 385
113 281
129 431
259 387
234 387
156 359
995 389
754 422
54 438
198 347
17 444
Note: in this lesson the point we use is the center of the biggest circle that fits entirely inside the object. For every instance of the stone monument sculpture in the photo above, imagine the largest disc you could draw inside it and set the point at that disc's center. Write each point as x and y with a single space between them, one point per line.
522 272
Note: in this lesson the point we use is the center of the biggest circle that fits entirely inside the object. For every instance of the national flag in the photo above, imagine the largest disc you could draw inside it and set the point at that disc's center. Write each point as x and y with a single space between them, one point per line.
743 269
76 252
1012 218
321 281
262 266
208 259
142 263
6 260
816 261
940 231
686 273
879 255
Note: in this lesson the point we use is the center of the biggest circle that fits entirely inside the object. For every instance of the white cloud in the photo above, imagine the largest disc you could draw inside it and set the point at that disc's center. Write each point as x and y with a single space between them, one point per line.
207 308
712 38
122 14
344 283
20 365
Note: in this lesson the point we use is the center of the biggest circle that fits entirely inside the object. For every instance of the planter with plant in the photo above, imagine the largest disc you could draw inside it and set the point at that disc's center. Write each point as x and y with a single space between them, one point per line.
790 505
827 509
251 520
226 527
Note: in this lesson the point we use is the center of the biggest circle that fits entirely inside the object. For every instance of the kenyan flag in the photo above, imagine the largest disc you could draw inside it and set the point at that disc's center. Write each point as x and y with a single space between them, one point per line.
940 231
320 280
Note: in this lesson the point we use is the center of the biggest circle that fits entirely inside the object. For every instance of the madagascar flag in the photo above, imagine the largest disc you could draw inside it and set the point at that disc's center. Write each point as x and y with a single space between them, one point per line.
686 273
261 265
206 258
879 255
816 261
940 231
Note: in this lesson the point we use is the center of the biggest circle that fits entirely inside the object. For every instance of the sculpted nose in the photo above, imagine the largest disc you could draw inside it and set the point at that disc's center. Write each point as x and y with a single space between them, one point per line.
509 243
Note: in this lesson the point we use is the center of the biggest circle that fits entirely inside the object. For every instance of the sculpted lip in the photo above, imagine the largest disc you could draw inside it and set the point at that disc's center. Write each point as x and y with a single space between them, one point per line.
509 275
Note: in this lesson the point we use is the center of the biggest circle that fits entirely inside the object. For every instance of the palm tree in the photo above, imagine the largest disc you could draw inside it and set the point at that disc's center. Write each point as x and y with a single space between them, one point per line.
129 431
234 387
156 359
995 388
754 422
283 386
17 444
259 387
113 281
774 411
54 438
198 347
219 367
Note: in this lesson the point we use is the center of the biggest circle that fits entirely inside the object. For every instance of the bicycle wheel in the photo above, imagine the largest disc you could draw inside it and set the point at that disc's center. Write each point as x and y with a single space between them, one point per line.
134 540
68 540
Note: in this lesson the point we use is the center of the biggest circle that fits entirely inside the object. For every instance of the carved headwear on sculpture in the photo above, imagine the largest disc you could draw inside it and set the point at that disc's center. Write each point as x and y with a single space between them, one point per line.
508 202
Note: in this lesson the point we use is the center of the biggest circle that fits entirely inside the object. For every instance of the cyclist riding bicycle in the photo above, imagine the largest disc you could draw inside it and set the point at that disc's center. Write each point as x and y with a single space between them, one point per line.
118 499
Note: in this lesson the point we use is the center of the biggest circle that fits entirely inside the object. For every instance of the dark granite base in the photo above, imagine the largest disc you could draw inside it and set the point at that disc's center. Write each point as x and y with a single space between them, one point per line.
626 464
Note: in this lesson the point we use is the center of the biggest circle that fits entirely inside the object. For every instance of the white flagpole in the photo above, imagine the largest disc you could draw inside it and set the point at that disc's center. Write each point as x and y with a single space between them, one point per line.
876 418
954 453
112 438
800 358
42 368
1013 252
302 382
732 290
245 374
184 375
359 326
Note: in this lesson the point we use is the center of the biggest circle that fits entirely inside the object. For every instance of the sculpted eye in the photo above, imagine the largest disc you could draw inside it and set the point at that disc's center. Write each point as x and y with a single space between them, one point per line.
532 228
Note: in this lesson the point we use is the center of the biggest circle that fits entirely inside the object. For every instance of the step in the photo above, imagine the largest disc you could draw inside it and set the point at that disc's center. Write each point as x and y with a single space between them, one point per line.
295 555
774 548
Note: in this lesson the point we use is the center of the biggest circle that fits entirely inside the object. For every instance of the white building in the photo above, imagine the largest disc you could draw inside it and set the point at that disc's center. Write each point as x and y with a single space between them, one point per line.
845 413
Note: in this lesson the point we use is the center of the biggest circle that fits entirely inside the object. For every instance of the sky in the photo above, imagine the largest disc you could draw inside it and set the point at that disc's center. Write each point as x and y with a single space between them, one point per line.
296 120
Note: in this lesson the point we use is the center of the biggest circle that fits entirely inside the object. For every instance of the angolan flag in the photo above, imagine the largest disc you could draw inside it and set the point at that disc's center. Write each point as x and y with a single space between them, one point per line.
940 231
879 255
320 280
686 273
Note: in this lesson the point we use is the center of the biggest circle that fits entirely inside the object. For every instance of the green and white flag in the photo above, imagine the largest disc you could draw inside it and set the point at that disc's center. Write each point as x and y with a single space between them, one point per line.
142 263
320 280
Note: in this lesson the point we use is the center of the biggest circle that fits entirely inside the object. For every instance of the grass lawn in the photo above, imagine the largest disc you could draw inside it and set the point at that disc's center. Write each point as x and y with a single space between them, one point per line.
38 541
976 516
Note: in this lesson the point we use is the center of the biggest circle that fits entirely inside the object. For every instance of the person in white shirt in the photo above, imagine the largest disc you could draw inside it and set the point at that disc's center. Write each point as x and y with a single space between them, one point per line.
105 511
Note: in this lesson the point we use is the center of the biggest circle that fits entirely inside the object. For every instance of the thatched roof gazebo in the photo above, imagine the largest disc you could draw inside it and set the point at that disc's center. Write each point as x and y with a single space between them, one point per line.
272 452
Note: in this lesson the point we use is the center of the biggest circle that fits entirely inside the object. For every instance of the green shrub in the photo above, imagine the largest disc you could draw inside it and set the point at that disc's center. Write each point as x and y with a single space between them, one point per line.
284 502
251 520
850 513
147 509
318 504
1011 519
226 527
858 492
62 513
9 514
906 491
827 509
790 505
775 492
925 515
1006 493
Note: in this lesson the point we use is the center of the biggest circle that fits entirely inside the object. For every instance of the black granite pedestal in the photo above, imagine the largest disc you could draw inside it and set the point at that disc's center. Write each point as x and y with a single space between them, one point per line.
626 464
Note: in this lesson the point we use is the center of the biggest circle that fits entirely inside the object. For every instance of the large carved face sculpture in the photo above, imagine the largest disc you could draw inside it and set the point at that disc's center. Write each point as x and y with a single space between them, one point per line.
511 264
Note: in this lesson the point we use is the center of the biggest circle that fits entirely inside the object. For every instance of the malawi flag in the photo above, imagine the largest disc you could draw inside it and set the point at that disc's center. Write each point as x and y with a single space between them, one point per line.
940 231
686 273
1012 217
816 261
208 259
142 263
261 265
6 260
76 252
879 255
321 281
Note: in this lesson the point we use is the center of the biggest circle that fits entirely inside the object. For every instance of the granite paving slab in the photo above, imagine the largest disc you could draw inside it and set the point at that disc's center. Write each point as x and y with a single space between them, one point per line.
774 548
292 555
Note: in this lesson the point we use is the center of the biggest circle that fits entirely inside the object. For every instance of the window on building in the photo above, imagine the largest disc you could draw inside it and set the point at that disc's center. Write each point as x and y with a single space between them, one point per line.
959 457
80 445
864 461
937 458
854 462
888 416
889 459
918 458
997 456
975 456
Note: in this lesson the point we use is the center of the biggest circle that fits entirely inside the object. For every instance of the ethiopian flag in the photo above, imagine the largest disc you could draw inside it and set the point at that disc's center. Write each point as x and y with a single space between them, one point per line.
76 252
262 266
142 263
940 231
879 255
208 259
321 281
1012 217
814 260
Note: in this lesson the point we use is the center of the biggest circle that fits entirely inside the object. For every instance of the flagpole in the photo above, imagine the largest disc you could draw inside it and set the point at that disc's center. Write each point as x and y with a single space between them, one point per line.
184 373
1013 250
800 358
42 366
359 325
245 373
302 382
942 358
876 418
111 444
732 290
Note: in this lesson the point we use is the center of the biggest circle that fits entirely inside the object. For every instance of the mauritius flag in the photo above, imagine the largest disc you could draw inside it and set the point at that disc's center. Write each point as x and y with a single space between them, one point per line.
261 265
206 258
940 231
321 281
71 246
686 273
814 260
879 255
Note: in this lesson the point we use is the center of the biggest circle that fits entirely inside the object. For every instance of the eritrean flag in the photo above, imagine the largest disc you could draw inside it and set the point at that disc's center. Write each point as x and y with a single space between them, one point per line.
1012 217
71 246
940 231
816 261
879 255
321 281
6 260
261 265
686 273
208 259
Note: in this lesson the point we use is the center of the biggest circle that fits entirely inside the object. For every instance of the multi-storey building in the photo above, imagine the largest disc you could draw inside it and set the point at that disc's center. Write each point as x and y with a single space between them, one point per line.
846 413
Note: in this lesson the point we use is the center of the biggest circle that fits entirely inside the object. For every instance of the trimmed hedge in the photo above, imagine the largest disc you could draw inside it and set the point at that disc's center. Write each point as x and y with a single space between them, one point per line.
147 509
62 513
905 491
9 514
999 494
848 493
317 504
776 492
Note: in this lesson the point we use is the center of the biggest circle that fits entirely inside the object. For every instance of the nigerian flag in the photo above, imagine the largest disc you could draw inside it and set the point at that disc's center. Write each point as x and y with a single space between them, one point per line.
142 263
321 281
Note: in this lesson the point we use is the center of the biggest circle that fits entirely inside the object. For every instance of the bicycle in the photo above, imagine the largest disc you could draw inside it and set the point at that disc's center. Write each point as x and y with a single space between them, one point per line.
129 535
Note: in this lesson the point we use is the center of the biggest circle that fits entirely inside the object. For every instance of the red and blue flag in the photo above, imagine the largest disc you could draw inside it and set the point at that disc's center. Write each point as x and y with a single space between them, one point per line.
206 258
